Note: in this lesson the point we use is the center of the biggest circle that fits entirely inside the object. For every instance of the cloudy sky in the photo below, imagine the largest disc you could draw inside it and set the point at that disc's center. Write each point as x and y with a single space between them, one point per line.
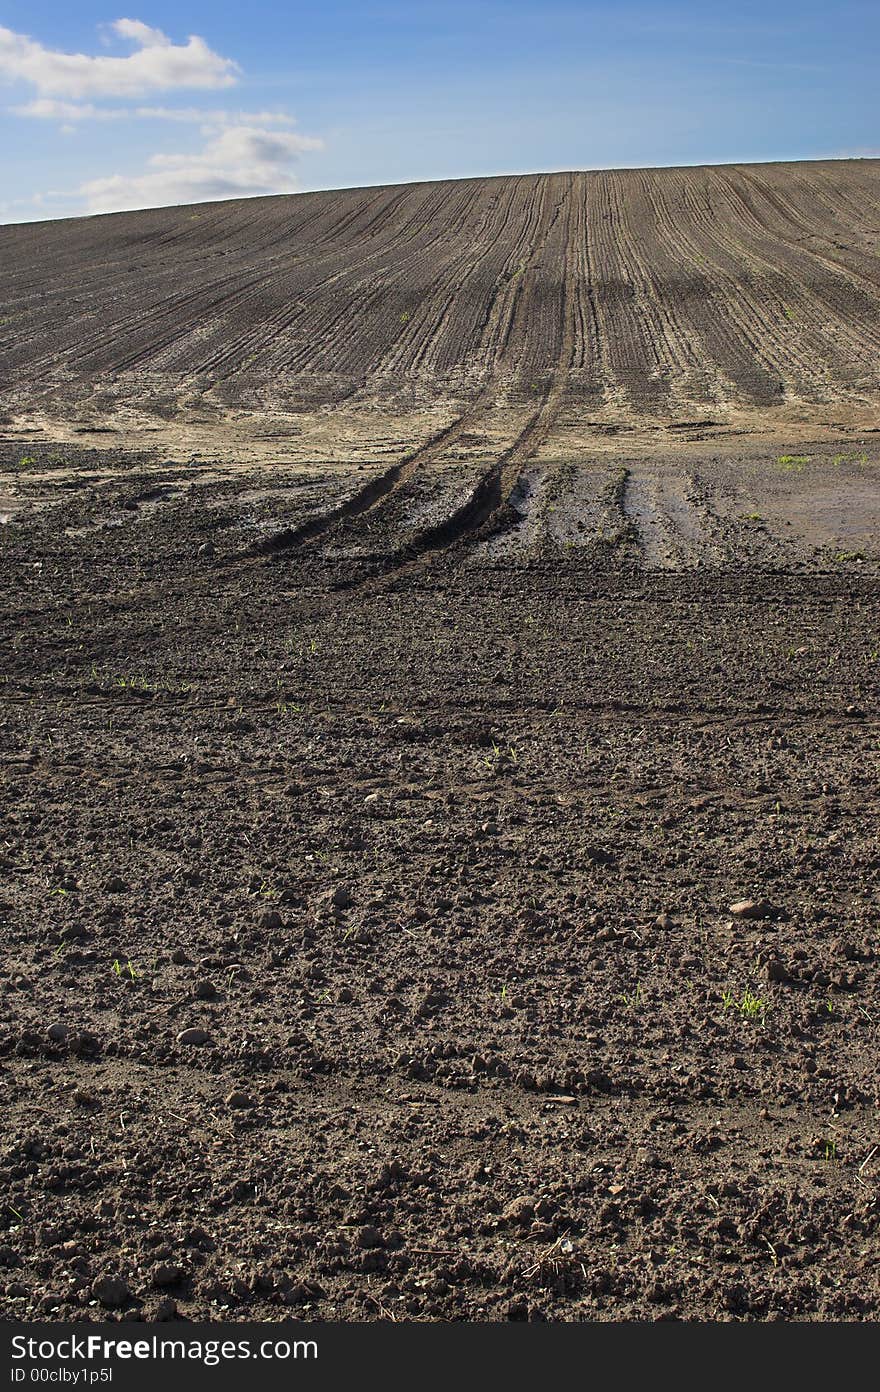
175 104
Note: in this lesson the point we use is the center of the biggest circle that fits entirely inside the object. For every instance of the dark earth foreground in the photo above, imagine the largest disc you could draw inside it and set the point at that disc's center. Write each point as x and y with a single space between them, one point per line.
367 944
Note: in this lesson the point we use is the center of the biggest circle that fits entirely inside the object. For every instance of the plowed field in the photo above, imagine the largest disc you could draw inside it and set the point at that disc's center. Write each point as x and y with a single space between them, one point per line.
439 748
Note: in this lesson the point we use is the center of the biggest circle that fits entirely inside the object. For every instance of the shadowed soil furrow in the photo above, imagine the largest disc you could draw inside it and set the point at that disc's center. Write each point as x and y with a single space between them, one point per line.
830 286
491 497
491 508
801 227
373 492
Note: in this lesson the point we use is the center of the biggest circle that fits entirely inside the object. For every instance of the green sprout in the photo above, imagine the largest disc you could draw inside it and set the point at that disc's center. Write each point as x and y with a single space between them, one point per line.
750 1006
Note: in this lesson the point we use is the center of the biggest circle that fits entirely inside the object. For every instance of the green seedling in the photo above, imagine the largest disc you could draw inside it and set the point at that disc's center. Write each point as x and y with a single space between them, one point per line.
632 1000
794 462
120 969
750 1006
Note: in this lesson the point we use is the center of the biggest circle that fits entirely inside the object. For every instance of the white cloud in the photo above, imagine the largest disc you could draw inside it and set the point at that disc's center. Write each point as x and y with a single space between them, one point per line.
49 109
241 162
140 33
242 153
157 64
214 120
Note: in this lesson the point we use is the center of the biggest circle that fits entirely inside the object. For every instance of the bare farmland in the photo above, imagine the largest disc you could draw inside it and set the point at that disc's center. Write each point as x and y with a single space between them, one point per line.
439 741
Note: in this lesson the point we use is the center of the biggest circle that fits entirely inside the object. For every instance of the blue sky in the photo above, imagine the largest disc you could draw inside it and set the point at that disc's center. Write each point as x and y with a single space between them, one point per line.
104 107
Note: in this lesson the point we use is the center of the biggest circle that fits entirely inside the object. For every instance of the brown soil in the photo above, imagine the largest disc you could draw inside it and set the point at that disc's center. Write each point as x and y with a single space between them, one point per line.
416 761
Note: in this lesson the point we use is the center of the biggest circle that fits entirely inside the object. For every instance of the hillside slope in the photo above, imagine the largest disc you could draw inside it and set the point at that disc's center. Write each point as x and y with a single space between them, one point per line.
636 296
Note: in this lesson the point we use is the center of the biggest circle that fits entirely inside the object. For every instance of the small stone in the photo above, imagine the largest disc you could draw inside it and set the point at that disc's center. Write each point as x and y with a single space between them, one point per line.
236 1100
58 1033
752 908
111 1291
342 897
206 551
194 1035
